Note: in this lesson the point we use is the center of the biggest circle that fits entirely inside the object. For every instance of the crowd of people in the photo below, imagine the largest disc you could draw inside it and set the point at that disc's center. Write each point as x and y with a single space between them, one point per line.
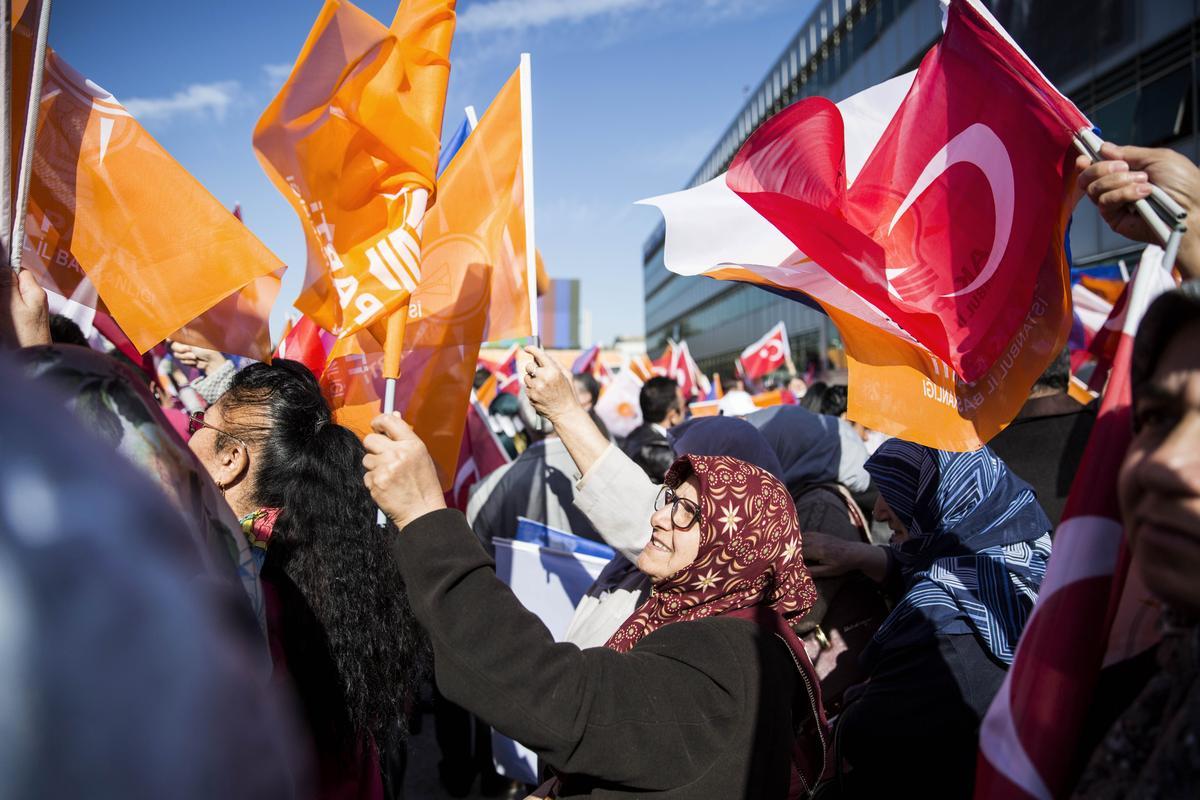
203 604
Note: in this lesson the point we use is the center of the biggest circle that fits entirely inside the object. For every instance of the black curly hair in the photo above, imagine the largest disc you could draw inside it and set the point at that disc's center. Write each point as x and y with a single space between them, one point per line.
354 649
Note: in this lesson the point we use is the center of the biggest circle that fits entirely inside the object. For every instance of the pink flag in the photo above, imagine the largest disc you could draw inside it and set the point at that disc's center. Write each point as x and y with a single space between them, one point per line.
1028 738
769 353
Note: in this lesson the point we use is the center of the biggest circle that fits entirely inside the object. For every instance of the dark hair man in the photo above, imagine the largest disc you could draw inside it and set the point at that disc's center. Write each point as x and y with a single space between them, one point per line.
662 407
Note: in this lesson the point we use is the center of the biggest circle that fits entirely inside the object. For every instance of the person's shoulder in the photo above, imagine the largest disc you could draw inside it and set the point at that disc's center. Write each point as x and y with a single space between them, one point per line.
707 636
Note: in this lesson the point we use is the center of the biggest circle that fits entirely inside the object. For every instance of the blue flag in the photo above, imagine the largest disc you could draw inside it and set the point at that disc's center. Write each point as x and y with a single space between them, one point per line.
451 146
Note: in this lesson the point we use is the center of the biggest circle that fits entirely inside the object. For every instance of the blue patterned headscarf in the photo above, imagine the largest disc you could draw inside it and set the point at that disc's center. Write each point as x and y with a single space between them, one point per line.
977 548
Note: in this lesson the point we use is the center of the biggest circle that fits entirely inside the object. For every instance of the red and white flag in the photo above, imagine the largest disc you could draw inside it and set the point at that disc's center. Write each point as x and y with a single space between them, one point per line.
768 354
1084 618
479 455
926 216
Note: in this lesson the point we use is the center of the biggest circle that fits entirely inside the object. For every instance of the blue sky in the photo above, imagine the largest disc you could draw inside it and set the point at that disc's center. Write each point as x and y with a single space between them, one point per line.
629 95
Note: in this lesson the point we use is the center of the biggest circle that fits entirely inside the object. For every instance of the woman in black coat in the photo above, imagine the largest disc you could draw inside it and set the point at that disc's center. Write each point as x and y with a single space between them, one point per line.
703 693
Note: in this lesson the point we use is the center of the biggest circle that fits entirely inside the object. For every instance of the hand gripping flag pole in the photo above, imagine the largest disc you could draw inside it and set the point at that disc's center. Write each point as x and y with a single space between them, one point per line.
17 241
1160 211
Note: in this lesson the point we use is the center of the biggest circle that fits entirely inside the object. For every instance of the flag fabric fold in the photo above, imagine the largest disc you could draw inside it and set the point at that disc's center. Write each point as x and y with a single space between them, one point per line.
117 224
473 288
352 141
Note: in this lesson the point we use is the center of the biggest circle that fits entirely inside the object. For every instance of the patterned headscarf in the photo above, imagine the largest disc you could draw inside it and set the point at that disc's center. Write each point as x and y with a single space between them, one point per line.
749 552
977 546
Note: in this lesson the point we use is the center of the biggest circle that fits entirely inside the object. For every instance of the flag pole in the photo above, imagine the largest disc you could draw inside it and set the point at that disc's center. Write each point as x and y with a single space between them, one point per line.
393 341
6 130
527 195
17 242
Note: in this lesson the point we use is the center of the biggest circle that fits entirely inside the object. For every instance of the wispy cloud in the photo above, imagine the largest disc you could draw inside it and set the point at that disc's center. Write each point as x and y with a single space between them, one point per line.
492 16
277 73
197 99
510 15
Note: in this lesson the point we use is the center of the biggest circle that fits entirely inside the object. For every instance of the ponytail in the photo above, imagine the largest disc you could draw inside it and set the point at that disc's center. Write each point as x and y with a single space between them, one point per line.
326 545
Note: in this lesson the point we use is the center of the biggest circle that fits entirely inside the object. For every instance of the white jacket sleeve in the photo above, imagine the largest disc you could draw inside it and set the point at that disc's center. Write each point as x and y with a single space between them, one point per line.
618 499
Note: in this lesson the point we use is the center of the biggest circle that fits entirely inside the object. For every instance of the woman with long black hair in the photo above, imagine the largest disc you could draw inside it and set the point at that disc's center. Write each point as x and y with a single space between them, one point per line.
338 619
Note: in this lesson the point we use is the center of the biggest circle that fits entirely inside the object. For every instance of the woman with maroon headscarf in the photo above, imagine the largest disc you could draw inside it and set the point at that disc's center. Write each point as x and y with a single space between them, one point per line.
704 692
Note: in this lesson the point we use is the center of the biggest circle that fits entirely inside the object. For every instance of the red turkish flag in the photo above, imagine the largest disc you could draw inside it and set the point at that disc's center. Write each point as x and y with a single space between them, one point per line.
947 223
767 354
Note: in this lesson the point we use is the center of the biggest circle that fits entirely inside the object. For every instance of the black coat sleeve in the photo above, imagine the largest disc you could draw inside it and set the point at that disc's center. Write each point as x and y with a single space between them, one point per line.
652 718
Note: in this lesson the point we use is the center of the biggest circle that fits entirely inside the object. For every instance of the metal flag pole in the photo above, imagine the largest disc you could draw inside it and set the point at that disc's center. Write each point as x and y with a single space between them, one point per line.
5 129
17 242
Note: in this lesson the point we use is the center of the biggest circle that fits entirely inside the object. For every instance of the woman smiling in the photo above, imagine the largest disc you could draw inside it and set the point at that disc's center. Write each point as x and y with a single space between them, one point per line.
704 692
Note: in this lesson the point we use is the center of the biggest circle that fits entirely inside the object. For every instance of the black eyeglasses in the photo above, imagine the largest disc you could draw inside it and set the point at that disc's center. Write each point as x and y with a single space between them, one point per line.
690 511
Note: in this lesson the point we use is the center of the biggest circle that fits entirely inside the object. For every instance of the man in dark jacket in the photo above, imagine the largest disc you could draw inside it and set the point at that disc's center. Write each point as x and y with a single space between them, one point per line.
647 445
1045 443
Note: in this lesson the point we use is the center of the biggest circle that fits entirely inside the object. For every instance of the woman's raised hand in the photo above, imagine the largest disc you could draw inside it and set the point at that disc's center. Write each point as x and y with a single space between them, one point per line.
549 387
400 474
202 358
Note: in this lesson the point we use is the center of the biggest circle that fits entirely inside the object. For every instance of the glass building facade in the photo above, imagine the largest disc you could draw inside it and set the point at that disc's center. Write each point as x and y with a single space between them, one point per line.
1131 65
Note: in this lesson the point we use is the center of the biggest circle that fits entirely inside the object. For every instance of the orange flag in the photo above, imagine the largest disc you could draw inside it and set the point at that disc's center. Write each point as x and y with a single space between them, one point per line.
474 287
351 140
480 219
117 224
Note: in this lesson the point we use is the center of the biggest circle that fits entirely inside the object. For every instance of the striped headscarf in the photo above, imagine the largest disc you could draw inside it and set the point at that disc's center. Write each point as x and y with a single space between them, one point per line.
749 554
977 546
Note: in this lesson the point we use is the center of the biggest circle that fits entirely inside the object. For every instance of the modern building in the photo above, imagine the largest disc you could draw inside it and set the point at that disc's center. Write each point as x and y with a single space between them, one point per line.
558 312
1131 65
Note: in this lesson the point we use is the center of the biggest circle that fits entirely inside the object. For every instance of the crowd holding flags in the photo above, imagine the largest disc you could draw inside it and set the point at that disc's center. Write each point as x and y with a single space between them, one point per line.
421 250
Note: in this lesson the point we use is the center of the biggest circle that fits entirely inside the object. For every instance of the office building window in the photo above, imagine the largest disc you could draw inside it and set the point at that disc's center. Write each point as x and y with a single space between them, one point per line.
1165 109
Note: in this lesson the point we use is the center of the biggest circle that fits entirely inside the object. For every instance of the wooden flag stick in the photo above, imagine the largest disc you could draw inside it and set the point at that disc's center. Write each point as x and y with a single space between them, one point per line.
17 241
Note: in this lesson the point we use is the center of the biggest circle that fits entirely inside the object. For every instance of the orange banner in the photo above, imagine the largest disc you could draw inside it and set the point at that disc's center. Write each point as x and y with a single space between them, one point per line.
351 140
111 213
473 286
479 220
